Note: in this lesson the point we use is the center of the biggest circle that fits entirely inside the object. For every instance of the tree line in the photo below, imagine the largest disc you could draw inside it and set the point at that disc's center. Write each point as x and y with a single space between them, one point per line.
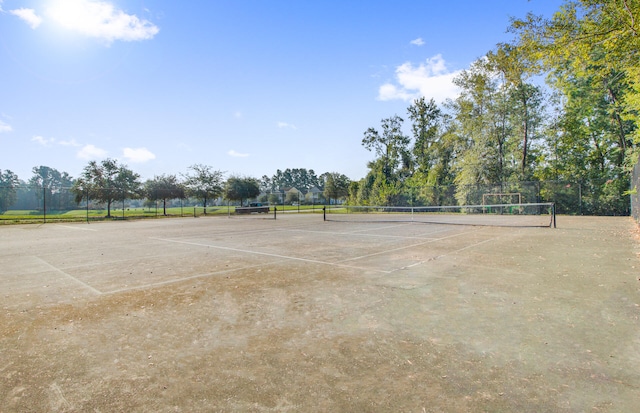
506 127
109 181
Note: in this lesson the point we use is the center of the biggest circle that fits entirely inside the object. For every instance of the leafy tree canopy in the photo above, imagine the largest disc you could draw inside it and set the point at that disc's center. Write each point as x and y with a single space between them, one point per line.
8 184
239 189
107 181
204 182
164 187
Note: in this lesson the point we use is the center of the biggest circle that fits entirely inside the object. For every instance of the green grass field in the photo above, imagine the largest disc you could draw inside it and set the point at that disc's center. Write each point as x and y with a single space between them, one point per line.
35 216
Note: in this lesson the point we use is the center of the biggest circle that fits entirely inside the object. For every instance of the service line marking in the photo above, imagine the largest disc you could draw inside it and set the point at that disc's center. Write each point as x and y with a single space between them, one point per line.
78 228
437 257
359 234
267 254
182 279
59 271
406 247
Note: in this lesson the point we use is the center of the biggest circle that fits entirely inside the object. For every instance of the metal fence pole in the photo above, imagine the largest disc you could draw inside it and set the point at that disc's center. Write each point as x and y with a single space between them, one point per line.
580 197
86 195
44 204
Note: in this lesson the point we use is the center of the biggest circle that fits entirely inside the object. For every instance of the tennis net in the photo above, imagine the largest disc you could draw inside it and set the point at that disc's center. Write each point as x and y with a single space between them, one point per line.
508 215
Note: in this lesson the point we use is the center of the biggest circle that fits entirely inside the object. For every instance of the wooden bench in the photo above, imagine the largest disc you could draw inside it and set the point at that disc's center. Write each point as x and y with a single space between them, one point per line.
251 210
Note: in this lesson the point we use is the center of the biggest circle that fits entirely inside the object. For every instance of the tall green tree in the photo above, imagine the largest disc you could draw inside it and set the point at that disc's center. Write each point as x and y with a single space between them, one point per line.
393 163
480 116
204 182
107 181
336 186
589 49
240 188
8 189
163 188
53 185
435 152
390 145
596 40
524 102
425 119
300 178
50 178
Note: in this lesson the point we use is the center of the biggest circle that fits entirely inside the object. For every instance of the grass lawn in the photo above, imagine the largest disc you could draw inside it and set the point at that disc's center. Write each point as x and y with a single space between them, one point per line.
35 216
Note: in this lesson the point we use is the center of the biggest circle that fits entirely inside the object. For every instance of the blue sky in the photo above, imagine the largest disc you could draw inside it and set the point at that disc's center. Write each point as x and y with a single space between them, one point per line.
247 87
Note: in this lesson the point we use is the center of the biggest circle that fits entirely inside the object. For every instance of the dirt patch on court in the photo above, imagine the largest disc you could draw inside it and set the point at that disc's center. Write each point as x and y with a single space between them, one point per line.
526 320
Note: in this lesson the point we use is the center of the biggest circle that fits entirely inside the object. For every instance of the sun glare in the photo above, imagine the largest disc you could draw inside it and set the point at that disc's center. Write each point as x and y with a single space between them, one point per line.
70 14
100 19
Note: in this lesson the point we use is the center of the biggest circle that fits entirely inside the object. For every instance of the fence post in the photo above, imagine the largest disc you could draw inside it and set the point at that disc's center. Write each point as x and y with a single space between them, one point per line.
44 204
86 195
580 197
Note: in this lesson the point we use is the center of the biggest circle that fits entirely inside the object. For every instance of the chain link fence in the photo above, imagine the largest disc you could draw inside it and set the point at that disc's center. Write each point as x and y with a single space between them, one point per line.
27 203
572 198
635 195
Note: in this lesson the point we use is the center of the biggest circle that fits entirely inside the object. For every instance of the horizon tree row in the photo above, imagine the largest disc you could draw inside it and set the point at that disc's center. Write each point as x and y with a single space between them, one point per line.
109 181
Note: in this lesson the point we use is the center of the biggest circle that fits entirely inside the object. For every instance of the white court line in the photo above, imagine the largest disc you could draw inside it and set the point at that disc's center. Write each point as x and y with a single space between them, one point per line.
266 254
358 234
405 247
58 270
178 280
76 228
404 224
437 257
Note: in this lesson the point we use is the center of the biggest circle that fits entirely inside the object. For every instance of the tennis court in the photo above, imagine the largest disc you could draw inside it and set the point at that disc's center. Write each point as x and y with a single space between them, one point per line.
301 314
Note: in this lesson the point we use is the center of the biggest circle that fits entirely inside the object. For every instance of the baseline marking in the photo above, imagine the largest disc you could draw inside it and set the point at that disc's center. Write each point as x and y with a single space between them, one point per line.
59 271
266 254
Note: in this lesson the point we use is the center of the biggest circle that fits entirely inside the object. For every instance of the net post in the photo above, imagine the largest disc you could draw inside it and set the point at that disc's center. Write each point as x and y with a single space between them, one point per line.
275 212
553 213
324 212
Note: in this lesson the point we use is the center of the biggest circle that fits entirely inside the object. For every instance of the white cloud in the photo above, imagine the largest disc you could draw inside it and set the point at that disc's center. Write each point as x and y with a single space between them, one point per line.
43 141
285 125
5 127
431 79
29 16
90 152
100 19
417 42
51 141
71 142
237 154
392 92
138 155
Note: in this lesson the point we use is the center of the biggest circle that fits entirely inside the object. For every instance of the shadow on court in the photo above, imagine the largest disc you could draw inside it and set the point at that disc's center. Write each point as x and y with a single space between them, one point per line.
297 314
